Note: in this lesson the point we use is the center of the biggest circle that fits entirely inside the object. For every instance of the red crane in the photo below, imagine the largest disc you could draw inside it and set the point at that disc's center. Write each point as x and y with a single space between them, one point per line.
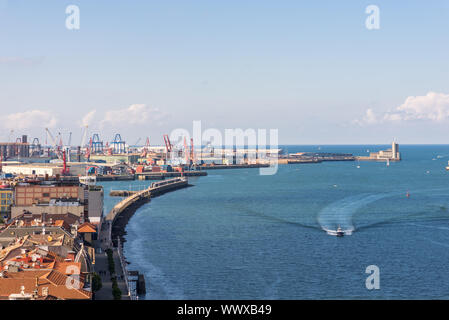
168 144
65 169
147 144
88 150
192 155
186 151
146 149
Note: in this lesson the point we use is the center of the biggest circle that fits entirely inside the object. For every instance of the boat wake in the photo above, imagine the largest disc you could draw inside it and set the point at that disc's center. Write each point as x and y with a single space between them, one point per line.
330 232
340 213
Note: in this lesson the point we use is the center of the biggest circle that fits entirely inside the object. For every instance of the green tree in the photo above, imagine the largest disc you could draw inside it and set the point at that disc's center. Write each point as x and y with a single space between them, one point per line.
96 282
116 292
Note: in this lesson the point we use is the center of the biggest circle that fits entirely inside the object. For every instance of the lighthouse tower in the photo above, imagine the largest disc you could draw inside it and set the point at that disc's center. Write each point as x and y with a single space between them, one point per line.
395 151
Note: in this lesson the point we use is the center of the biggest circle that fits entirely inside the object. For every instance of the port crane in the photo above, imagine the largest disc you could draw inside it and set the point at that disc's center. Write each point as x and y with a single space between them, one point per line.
35 147
192 153
55 145
168 146
84 136
65 169
89 149
146 148
186 151
118 145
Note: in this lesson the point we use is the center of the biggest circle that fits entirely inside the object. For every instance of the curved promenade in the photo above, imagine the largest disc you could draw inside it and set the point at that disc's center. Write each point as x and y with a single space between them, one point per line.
112 228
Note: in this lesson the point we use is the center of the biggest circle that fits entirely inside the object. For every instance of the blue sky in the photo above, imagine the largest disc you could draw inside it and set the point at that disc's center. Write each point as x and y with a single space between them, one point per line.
308 68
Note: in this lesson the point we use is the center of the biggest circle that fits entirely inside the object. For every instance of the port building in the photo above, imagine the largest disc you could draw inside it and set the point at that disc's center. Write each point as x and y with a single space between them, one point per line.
392 154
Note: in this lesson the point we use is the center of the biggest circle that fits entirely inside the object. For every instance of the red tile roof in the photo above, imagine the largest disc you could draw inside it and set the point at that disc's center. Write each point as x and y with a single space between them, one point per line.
87 227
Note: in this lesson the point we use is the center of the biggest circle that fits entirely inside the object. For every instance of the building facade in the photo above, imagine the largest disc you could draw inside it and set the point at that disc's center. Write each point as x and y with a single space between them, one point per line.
6 201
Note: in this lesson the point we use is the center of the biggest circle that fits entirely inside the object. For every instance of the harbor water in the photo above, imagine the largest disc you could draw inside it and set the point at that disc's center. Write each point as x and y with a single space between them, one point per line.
240 235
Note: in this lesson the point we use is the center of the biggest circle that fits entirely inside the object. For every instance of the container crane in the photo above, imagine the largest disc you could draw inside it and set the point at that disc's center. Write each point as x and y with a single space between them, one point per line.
118 145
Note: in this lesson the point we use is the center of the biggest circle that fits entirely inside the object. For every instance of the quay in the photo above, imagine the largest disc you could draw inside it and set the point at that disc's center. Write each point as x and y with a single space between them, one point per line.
297 161
233 166
163 175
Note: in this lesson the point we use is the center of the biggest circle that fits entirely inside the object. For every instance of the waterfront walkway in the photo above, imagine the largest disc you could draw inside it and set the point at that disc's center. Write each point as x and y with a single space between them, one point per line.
105 236
102 267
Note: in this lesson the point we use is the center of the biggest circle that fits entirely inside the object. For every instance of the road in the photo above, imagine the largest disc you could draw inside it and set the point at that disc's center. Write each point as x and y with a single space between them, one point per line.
102 269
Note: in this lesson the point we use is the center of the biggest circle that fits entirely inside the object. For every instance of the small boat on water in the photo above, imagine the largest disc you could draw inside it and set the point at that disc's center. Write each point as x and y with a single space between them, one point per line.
407 194
339 232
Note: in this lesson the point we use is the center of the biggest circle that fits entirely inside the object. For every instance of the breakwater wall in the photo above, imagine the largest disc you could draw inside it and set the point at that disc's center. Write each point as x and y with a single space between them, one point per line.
119 216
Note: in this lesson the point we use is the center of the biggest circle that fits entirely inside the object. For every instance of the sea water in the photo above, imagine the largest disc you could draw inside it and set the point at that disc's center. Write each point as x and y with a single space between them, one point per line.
240 235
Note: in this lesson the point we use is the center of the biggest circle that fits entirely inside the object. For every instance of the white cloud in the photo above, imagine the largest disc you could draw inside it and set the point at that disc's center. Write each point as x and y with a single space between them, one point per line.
135 114
30 119
87 119
431 107
369 118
